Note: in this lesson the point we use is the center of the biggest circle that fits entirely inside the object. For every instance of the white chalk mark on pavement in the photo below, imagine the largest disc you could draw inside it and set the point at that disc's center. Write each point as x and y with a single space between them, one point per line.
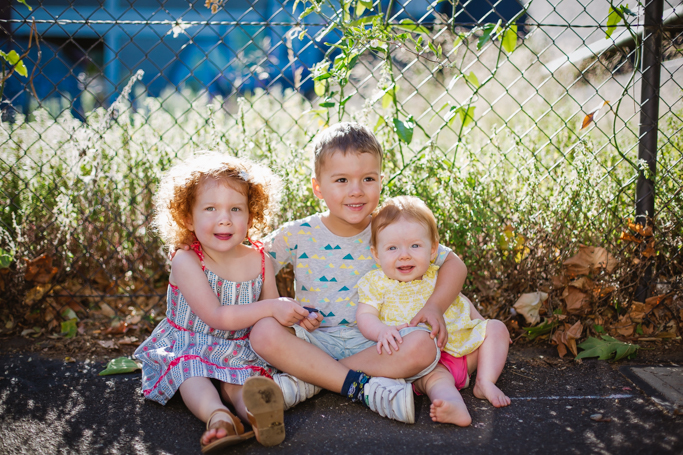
616 396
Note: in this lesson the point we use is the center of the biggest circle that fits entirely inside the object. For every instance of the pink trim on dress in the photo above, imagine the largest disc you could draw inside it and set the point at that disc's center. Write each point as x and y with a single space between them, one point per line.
206 362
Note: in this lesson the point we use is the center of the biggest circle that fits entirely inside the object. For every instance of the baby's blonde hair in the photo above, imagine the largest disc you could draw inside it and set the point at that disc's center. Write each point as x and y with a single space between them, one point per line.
403 207
178 188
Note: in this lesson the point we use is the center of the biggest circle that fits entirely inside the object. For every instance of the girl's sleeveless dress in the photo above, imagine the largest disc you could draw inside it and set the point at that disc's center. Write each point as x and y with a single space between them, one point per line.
183 346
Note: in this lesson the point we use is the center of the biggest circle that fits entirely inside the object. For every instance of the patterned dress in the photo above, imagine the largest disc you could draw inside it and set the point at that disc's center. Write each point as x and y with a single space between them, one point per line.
183 346
398 302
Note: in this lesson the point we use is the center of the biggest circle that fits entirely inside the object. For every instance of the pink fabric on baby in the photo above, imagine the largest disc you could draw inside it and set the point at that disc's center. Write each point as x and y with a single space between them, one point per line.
457 367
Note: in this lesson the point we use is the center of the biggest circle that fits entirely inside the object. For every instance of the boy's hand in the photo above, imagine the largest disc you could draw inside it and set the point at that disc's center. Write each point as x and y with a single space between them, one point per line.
389 337
287 311
434 318
182 246
311 323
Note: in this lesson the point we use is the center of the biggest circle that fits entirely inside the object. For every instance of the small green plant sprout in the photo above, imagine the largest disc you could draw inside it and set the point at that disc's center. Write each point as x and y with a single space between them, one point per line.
606 348
615 16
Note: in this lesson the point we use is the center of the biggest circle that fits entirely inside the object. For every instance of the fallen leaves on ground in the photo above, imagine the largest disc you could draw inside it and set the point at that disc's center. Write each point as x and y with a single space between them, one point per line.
119 366
606 348
566 337
528 305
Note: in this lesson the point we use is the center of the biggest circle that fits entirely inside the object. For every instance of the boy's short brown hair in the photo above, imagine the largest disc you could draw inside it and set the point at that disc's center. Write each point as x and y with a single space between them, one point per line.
345 137
403 207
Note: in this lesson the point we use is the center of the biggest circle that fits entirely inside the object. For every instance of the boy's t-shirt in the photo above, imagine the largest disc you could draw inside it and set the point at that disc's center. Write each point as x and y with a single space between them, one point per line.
327 267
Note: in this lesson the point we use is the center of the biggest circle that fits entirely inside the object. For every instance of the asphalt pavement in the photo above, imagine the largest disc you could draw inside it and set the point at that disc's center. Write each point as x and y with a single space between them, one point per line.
49 406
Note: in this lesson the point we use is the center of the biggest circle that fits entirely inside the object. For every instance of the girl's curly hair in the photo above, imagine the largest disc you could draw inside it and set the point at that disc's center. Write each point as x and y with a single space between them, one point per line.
178 187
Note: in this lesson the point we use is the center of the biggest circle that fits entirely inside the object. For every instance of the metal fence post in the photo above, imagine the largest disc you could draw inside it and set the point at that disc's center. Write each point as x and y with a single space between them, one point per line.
649 116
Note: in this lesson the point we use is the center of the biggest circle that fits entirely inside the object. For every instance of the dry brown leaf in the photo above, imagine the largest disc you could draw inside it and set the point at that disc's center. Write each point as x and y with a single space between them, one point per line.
590 258
35 294
559 281
567 338
592 116
577 301
655 300
109 344
629 238
645 231
107 310
650 250
40 269
637 312
528 306
624 326
129 340
584 283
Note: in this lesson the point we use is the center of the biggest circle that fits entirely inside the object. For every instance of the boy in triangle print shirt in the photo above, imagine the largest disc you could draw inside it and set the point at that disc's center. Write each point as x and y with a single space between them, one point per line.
330 252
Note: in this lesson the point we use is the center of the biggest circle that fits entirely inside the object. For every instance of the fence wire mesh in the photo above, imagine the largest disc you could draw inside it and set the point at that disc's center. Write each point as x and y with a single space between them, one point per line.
517 123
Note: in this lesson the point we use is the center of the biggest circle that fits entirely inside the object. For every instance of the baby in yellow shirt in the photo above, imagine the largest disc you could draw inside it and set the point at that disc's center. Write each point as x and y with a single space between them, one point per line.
404 242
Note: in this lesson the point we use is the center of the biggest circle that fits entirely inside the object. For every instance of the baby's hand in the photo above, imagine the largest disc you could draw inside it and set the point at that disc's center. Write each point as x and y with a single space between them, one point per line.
388 338
287 311
182 246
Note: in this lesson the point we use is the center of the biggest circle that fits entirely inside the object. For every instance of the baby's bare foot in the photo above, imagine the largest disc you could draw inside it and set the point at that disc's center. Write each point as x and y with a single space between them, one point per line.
450 412
488 390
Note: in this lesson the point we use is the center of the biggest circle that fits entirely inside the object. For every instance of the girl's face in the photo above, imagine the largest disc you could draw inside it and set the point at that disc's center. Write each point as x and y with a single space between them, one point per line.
404 250
220 216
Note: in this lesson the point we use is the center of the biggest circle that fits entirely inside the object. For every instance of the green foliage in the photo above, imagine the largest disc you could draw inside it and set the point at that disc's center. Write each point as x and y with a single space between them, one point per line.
546 327
15 60
606 348
120 365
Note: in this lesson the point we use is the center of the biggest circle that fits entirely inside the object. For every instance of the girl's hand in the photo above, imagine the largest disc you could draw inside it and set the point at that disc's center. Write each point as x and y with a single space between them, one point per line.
311 323
434 318
288 311
389 337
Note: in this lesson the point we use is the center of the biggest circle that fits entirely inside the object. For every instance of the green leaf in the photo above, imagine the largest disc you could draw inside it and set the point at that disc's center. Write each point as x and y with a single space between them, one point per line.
327 104
6 258
363 20
380 122
362 5
466 115
439 110
322 77
13 59
389 97
487 30
69 328
612 21
69 314
343 102
606 348
23 2
411 26
404 130
307 11
509 40
120 366
319 87
472 79
459 39
534 332
598 328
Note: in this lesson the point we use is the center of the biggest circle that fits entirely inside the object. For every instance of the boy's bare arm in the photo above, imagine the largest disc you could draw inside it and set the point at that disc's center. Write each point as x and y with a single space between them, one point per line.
449 283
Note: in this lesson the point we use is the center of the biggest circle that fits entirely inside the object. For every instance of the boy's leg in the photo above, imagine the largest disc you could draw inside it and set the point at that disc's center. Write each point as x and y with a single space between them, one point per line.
305 364
447 403
489 360
417 352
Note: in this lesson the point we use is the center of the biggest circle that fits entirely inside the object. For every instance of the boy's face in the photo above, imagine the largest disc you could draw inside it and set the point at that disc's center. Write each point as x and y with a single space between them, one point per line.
404 250
350 185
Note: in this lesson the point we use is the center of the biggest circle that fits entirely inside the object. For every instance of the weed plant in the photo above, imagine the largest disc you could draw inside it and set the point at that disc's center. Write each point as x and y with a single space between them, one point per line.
514 199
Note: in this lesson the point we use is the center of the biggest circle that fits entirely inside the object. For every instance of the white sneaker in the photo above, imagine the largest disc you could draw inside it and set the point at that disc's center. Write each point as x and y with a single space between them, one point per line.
294 390
392 398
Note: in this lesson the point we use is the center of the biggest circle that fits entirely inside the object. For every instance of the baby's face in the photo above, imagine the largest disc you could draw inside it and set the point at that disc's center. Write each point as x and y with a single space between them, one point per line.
404 250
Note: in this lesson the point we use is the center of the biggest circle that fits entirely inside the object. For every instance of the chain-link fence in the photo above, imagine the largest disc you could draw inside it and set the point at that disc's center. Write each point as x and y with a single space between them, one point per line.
532 130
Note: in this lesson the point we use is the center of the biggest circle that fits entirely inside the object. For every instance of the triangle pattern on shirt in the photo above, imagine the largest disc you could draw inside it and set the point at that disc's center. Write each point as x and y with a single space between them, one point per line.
305 224
344 321
348 257
343 289
303 256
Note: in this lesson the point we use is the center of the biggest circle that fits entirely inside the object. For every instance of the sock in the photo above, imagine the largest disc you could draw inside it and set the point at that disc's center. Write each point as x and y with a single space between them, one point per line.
353 386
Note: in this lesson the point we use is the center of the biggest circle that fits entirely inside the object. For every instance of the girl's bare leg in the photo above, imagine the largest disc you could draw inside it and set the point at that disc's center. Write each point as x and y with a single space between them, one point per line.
202 398
232 393
447 403
489 360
